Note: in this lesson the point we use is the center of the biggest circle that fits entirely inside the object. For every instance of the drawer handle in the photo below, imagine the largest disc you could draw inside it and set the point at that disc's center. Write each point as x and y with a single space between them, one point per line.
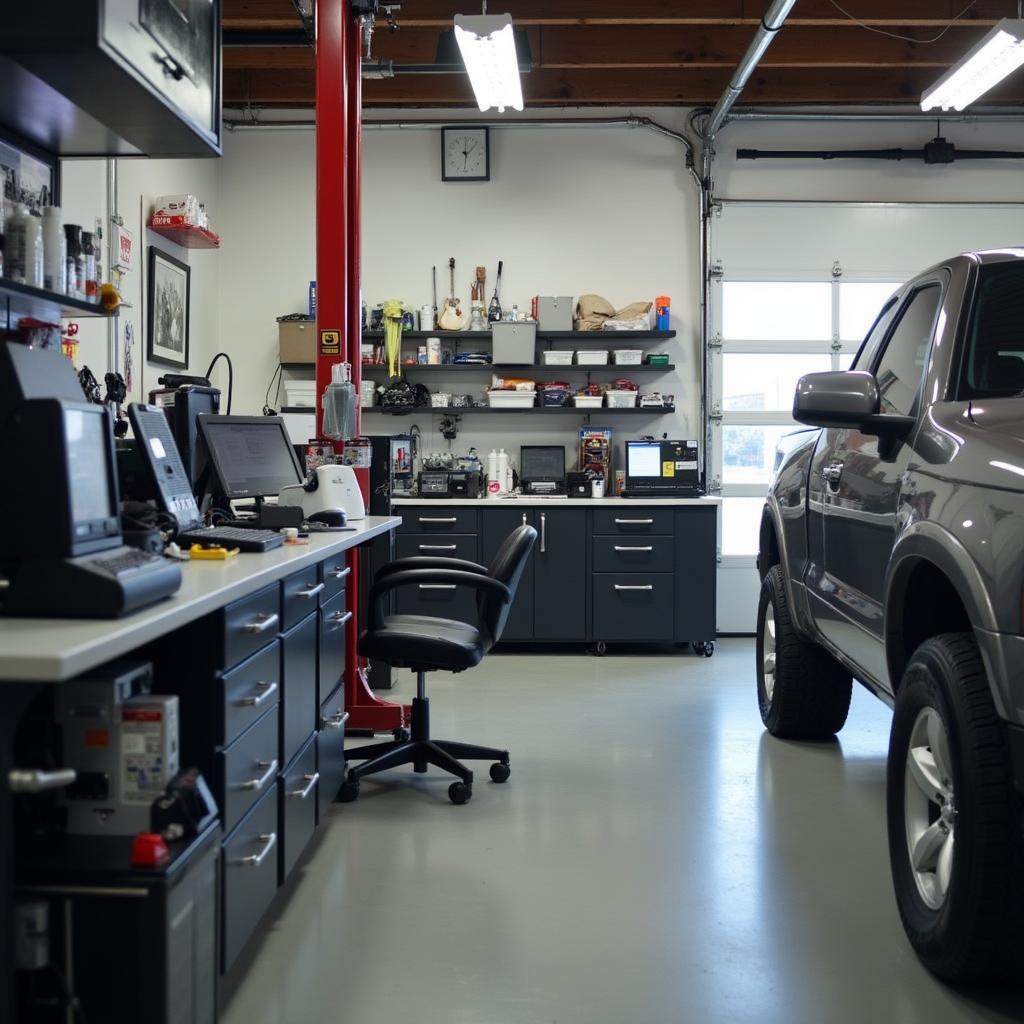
262 622
254 860
34 780
434 519
634 522
437 586
336 721
621 547
265 690
623 586
337 573
439 547
338 619
543 533
311 592
301 794
259 783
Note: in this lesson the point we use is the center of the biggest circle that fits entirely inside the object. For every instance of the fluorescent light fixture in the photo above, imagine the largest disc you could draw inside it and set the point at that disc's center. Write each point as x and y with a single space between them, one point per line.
987 63
488 47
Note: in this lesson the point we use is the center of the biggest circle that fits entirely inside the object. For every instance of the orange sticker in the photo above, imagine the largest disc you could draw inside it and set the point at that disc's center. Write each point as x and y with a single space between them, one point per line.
97 738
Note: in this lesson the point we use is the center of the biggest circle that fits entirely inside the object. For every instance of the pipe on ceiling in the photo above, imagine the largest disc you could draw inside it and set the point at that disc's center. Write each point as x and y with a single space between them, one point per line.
983 117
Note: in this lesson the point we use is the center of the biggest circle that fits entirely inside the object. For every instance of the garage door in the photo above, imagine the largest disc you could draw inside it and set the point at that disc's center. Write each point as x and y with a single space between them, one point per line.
795 287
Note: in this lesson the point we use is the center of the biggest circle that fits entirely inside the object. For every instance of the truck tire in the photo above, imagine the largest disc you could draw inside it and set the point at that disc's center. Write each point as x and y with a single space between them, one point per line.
802 691
954 817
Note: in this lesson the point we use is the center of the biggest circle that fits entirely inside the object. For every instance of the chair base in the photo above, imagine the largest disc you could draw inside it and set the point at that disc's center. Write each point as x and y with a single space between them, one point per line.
421 751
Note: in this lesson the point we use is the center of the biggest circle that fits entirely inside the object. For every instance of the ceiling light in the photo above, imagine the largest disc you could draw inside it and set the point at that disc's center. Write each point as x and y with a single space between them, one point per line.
999 54
488 48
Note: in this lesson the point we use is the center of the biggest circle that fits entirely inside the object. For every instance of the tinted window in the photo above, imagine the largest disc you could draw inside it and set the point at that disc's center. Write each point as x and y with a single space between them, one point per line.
901 367
993 363
868 346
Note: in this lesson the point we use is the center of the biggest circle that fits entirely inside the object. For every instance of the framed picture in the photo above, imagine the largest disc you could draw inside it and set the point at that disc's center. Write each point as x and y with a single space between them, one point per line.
28 174
167 310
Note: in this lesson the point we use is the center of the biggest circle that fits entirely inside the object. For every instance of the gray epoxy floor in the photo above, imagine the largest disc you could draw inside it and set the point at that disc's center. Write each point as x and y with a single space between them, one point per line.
655 858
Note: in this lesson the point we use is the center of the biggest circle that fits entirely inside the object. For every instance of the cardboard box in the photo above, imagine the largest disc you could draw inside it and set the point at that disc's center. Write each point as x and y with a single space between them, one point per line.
297 341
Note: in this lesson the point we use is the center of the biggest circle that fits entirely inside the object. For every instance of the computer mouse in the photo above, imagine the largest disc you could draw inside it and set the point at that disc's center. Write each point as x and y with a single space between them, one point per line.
329 517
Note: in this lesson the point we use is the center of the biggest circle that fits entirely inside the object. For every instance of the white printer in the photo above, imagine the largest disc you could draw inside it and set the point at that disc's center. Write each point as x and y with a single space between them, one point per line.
328 489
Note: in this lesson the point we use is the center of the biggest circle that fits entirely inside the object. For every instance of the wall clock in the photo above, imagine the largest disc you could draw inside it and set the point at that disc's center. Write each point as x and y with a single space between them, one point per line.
465 154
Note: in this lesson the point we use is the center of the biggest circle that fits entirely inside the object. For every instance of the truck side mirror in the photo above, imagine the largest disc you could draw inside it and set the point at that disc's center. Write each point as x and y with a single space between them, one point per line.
836 398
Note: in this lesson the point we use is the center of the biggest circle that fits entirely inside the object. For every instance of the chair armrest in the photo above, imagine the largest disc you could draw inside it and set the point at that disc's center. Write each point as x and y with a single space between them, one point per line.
442 577
429 562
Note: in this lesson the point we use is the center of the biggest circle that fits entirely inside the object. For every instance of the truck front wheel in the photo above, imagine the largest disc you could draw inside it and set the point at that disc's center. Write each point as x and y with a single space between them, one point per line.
802 691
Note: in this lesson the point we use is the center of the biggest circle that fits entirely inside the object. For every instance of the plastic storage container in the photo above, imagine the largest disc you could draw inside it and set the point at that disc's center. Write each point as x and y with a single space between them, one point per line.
554 398
628 356
511 399
657 359
587 401
555 312
441 399
514 343
592 357
621 399
552 357
300 392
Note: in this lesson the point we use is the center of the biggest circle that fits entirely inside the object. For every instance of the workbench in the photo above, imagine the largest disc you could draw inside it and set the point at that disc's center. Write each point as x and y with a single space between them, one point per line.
255 649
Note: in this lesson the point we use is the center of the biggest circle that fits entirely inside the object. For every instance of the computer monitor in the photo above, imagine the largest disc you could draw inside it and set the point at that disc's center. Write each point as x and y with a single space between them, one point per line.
250 456
542 468
662 467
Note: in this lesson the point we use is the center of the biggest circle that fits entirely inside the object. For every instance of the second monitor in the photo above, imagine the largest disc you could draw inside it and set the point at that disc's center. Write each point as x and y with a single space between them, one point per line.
250 456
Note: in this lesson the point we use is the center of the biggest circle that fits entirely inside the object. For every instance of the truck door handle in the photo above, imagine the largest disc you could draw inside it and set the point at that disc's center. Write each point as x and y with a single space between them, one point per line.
832 475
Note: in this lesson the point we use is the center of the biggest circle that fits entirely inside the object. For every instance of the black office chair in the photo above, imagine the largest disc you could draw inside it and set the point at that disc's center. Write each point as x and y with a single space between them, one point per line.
427 644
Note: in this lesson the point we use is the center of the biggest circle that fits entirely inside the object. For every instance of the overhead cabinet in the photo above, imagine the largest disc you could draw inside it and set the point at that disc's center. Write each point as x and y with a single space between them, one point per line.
114 77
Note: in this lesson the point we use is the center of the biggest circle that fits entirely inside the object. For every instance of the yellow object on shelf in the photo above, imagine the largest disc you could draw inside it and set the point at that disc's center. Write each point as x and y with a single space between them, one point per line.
392 334
198 552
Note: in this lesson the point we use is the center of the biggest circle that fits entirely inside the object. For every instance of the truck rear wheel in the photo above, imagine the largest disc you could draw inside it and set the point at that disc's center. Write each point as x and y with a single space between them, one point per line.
953 816
802 691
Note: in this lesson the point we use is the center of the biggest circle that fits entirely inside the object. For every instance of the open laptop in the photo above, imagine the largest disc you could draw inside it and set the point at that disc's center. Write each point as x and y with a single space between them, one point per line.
662 469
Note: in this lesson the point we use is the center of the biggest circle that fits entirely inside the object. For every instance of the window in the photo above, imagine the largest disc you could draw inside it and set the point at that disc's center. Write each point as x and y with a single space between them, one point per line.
776 310
859 303
766 382
993 365
901 367
874 338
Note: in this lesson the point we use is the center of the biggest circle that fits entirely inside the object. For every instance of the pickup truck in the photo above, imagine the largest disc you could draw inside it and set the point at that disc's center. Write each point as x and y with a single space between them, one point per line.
892 552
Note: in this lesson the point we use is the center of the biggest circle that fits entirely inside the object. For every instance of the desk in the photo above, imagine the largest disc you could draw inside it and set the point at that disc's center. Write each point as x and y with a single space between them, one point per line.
204 627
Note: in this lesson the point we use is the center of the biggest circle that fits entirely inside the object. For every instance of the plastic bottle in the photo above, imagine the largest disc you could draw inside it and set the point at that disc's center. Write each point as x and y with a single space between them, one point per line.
76 261
17 228
493 479
89 253
55 251
504 472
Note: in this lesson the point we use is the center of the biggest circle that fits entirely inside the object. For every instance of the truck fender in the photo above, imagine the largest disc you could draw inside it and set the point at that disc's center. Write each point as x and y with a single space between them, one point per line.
795 592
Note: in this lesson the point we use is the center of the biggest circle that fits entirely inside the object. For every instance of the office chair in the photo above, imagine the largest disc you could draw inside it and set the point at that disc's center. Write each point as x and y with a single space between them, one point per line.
427 644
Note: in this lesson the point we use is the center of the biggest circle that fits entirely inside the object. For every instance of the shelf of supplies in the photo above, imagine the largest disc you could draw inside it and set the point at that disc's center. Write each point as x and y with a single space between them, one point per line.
532 368
298 366
25 296
299 409
604 337
565 410
190 236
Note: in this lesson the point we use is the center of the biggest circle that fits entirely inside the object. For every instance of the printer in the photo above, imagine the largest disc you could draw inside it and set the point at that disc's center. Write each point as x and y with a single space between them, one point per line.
331 488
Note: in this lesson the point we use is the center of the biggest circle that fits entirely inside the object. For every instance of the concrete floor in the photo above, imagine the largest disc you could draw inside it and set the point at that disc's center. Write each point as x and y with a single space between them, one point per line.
656 857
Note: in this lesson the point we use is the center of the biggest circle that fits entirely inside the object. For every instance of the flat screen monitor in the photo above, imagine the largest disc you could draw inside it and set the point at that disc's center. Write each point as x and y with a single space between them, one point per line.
542 462
89 485
666 467
250 456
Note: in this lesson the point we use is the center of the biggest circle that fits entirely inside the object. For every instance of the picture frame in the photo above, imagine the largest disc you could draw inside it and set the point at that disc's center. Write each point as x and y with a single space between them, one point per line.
28 173
168 296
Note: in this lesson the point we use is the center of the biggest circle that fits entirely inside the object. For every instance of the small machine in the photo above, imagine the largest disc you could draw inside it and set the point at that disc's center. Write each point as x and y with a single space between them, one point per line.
542 469
183 406
666 469
449 483
578 485
330 495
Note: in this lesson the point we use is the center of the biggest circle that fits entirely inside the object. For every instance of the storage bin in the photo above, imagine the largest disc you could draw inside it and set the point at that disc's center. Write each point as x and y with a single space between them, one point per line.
511 399
628 356
300 392
296 341
553 357
554 398
657 359
514 343
555 312
587 401
621 399
592 357
440 400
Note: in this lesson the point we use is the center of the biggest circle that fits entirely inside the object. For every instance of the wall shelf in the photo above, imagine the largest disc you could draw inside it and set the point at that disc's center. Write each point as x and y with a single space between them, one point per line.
25 300
532 368
188 237
486 409
625 338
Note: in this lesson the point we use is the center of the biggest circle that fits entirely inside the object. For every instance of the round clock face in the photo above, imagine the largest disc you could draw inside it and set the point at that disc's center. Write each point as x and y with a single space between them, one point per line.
465 154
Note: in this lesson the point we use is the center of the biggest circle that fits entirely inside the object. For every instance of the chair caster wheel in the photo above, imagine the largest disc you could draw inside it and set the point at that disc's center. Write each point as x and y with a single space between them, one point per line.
459 792
705 647
401 735
601 649
349 791
500 772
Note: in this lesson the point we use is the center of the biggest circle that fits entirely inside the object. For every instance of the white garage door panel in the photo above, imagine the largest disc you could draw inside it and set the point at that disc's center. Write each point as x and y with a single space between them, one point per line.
801 242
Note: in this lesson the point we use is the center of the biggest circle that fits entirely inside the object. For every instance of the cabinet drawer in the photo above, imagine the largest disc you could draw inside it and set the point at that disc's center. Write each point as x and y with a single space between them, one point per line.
634 554
334 574
440 600
454 545
248 768
249 690
333 619
633 606
631 520
298 686
331 750
250 624
300 595
298 807
250 875
442 519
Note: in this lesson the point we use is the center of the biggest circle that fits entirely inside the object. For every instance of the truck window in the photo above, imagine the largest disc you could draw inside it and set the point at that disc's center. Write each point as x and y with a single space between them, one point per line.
869 345
993 363
900 370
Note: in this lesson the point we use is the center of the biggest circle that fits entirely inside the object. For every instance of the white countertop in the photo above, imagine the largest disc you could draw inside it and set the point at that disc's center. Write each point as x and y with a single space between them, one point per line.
518 499
50 650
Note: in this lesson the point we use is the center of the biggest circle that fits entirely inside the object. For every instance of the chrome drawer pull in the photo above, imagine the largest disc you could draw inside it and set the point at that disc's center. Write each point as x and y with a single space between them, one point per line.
254 860
634 522
33 780
301 794
338 573
336 721
337 620
311 592
266 689
618 547
429 519
439 547
622 586
259 783
437 586
262 623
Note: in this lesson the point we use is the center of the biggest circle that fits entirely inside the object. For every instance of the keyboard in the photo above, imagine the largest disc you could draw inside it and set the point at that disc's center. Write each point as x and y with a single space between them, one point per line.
124 561
231 537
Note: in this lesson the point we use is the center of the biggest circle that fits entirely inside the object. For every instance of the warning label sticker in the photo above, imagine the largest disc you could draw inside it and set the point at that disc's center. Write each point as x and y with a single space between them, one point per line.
330 343
668 469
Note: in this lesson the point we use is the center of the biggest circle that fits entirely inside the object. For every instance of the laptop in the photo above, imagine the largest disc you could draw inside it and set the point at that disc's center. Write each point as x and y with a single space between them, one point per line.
662 469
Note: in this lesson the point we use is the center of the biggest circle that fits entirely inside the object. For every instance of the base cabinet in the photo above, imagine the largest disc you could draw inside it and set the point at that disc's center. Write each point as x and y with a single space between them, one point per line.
497 524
